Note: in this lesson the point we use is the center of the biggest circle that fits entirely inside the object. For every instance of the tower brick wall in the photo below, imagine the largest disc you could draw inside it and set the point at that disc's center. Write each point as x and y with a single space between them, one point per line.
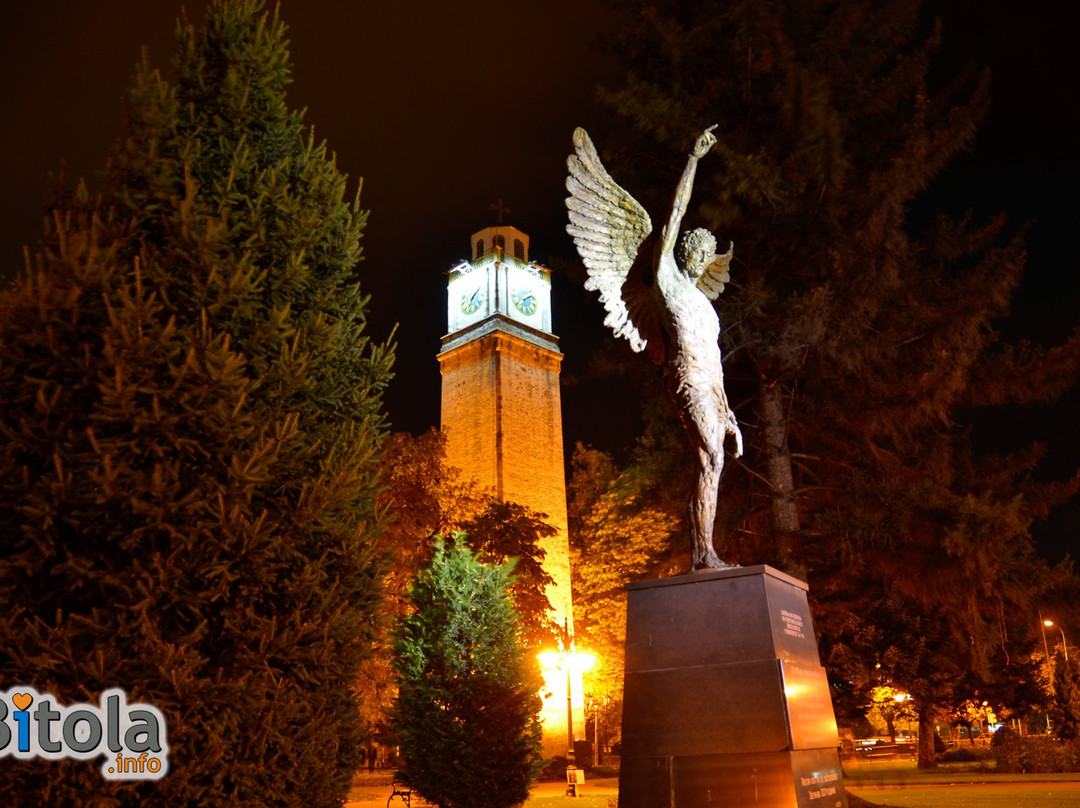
501 412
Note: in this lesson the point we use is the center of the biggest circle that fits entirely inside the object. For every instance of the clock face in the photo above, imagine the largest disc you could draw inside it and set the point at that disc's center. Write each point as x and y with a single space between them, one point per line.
472 301
524 300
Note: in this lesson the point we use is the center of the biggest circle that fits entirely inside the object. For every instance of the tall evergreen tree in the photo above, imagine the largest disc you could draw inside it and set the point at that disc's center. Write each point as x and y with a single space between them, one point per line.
190 412
857 344
467 705
850 331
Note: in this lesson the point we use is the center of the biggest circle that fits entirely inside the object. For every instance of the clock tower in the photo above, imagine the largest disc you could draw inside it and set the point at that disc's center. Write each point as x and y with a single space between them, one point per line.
502 416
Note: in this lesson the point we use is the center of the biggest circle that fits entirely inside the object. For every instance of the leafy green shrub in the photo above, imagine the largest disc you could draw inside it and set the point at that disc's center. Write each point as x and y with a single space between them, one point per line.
1006 744
554 769
966 754
1031 753
1041 753
467 705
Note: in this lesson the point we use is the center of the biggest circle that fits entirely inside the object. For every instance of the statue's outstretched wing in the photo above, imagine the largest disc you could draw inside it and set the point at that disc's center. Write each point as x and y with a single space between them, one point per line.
608 226
712 281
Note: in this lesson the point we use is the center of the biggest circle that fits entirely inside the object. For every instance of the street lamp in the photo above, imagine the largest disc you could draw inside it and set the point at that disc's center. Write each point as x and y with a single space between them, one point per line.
569 661
596 704
1064 647
1043 623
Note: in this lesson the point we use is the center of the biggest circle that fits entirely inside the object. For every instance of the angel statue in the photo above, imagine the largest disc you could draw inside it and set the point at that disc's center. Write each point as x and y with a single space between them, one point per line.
660 299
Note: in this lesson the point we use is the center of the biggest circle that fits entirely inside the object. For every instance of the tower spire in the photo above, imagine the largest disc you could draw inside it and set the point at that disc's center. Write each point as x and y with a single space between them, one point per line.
500 211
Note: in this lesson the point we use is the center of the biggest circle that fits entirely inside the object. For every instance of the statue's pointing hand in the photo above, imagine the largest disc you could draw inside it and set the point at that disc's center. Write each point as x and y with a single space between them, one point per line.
705 142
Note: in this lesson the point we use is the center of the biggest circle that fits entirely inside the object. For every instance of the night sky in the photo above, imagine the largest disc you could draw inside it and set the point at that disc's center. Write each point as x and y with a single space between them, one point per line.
442 108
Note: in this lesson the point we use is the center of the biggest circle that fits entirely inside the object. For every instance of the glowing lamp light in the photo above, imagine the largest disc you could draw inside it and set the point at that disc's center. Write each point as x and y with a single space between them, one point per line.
550 660
569 661
556 660
1048 623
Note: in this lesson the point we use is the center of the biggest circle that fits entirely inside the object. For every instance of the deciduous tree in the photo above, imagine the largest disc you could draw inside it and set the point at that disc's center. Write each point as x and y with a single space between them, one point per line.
425 498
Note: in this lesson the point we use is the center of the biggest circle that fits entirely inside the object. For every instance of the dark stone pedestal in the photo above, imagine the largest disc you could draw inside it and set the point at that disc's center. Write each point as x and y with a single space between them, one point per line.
725 702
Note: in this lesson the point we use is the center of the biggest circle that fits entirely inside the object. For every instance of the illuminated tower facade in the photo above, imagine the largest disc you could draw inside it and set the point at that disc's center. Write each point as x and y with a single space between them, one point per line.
502 416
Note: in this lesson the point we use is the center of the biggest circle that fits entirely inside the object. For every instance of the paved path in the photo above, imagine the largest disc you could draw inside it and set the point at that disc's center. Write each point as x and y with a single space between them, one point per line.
372 795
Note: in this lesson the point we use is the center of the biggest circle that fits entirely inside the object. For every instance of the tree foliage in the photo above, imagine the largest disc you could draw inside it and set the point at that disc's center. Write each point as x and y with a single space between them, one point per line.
467 704
424 498
190 414
856 335
932 585
503 531
1065 714
888 706
624 526
428 498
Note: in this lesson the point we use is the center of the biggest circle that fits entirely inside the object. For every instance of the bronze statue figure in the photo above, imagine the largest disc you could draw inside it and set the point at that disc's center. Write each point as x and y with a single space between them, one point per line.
660 299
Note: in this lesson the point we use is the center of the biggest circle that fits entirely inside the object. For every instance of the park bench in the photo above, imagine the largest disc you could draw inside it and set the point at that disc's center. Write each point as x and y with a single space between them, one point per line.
887 750
403 792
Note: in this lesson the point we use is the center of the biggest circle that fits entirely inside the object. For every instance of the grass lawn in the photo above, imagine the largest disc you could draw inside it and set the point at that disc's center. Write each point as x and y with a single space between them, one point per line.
1004 795
900 784
906 773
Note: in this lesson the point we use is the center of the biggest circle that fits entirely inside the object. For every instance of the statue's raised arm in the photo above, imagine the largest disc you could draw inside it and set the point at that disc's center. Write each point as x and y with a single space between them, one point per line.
706 140
673 316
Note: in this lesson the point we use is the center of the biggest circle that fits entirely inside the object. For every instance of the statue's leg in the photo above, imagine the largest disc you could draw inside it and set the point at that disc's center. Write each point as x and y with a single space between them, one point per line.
703 510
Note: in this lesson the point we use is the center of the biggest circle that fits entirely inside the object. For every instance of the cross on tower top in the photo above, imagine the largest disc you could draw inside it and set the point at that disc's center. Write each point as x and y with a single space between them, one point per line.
500 210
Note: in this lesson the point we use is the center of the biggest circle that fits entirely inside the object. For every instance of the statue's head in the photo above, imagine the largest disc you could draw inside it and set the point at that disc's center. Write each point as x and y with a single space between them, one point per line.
697 249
